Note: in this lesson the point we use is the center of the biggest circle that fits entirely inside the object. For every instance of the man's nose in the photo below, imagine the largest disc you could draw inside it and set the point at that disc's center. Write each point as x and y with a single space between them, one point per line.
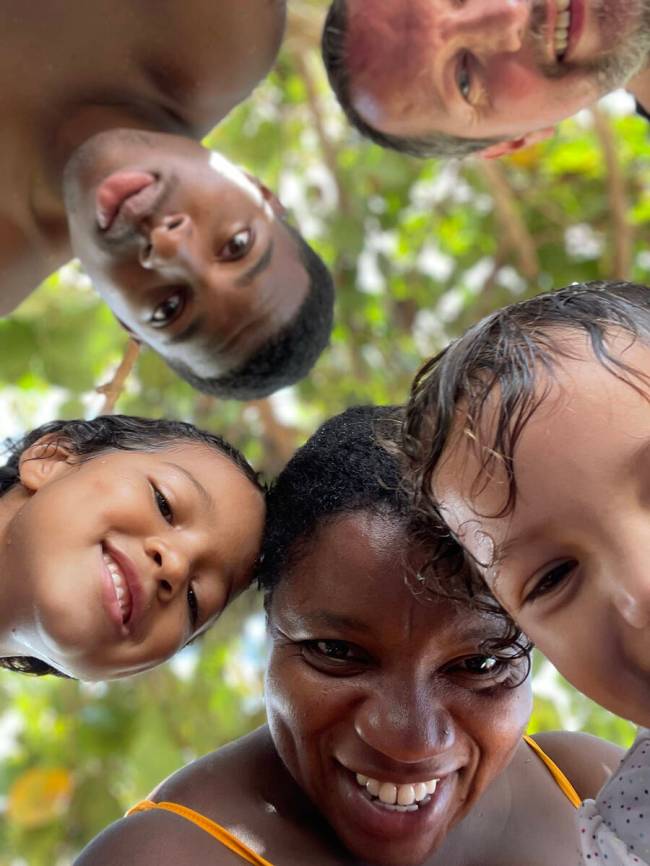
486 26
404 723
168 241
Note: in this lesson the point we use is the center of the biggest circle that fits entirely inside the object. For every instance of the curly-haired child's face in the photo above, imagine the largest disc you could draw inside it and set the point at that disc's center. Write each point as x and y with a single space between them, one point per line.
116 562
571 562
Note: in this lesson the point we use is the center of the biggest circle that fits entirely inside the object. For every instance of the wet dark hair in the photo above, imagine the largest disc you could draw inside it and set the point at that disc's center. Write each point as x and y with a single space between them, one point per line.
86 439
348 466
435 144
287 356
511 353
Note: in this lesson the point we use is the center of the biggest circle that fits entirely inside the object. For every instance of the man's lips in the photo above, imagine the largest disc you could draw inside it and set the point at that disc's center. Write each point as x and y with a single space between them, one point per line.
124 199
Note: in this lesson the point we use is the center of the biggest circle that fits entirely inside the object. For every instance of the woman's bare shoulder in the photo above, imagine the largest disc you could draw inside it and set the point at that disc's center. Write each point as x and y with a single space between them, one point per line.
587 761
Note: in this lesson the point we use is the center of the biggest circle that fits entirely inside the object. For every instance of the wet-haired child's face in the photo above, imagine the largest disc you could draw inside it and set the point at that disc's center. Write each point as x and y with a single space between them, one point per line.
571 561
118 561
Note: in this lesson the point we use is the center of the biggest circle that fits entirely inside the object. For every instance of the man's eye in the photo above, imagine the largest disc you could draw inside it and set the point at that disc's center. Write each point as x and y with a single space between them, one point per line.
236 247
464 78
163 504
168 310
553 579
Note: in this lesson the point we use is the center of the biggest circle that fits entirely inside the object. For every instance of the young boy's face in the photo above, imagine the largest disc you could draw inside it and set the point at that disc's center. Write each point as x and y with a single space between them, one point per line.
571 561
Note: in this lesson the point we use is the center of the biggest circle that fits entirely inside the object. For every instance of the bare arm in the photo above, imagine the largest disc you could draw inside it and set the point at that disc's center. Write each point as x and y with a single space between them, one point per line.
155 839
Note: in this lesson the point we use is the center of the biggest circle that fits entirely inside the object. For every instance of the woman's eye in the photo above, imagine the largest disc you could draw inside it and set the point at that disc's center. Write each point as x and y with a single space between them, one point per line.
481 665
333 654
464 78
193 606
552 580
236 247
168 310
163 504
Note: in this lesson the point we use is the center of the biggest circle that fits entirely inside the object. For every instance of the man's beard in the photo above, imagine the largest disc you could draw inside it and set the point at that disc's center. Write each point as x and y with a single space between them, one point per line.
611 70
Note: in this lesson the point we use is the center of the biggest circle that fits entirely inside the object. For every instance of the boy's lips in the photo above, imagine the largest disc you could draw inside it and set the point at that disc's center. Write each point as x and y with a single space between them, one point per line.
125 198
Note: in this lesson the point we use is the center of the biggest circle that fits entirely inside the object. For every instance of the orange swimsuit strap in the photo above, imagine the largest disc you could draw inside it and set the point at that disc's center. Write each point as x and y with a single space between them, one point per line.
220 833
563 783
233 844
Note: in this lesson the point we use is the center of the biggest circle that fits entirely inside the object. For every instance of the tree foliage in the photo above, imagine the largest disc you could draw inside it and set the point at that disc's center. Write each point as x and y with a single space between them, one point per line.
419 251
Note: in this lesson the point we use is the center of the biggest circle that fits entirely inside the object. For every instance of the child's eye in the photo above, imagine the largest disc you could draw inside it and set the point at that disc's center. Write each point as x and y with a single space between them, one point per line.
193 605
550 581
163 504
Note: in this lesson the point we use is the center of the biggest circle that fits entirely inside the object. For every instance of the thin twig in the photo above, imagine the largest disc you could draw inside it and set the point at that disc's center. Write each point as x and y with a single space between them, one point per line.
113 389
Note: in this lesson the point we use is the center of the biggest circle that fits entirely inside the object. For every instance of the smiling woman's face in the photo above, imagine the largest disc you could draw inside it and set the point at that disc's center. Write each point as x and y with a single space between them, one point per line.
371 691
188 250
116 562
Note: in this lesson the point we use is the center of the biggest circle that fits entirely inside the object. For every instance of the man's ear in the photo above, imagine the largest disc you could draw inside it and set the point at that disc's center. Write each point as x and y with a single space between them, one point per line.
504 148
268 195
45 460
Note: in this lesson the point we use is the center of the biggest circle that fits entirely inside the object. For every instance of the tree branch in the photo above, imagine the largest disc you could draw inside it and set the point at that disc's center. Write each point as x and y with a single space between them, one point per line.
114 388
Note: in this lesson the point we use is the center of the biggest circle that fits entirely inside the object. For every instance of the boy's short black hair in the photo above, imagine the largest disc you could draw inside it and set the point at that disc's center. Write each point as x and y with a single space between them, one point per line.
436 144
507 353
287 356
351 464
85 439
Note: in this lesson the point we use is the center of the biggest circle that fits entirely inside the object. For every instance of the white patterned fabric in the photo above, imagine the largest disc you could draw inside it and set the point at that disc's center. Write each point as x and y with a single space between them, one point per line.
615 827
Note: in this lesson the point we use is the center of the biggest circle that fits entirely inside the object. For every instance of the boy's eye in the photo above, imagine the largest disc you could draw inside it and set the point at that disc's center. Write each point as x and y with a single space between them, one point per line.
237 247
168 310
553 579
163 504
193 605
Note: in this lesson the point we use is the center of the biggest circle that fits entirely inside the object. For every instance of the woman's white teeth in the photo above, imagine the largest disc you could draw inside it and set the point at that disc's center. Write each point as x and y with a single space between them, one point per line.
562 26
119 583
402 798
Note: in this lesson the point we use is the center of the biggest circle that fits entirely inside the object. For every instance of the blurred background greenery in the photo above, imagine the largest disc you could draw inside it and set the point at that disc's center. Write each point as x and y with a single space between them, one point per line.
419 251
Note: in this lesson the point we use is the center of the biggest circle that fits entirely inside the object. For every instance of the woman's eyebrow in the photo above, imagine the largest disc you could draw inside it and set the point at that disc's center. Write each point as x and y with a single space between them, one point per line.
203 493
336 621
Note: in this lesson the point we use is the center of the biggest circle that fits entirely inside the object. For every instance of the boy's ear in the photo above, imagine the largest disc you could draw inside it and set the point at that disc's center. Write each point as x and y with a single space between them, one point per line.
268 195
504 148
45 460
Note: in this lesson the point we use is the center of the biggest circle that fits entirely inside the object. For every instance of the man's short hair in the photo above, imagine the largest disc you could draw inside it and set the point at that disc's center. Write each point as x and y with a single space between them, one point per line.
288 355
436 144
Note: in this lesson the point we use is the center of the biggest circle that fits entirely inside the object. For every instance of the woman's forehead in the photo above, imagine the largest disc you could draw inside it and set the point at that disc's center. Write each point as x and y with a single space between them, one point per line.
357 574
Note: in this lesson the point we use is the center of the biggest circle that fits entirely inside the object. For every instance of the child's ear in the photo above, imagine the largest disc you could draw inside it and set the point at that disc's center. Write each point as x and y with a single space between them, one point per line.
45 460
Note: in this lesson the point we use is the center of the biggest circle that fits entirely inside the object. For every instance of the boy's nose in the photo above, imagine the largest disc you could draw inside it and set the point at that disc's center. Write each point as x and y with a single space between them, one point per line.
167 241
171 566
632 600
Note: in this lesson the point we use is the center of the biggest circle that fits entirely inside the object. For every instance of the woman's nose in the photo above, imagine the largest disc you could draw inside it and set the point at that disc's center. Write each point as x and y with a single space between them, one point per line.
404 724
167 241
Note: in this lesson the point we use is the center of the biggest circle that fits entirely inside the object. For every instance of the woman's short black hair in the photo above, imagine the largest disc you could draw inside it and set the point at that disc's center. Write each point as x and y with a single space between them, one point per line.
350 464
86 439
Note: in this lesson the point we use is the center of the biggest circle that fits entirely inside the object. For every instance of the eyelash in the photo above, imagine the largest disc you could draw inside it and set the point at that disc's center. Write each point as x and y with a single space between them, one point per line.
550 581
163 504
314 650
